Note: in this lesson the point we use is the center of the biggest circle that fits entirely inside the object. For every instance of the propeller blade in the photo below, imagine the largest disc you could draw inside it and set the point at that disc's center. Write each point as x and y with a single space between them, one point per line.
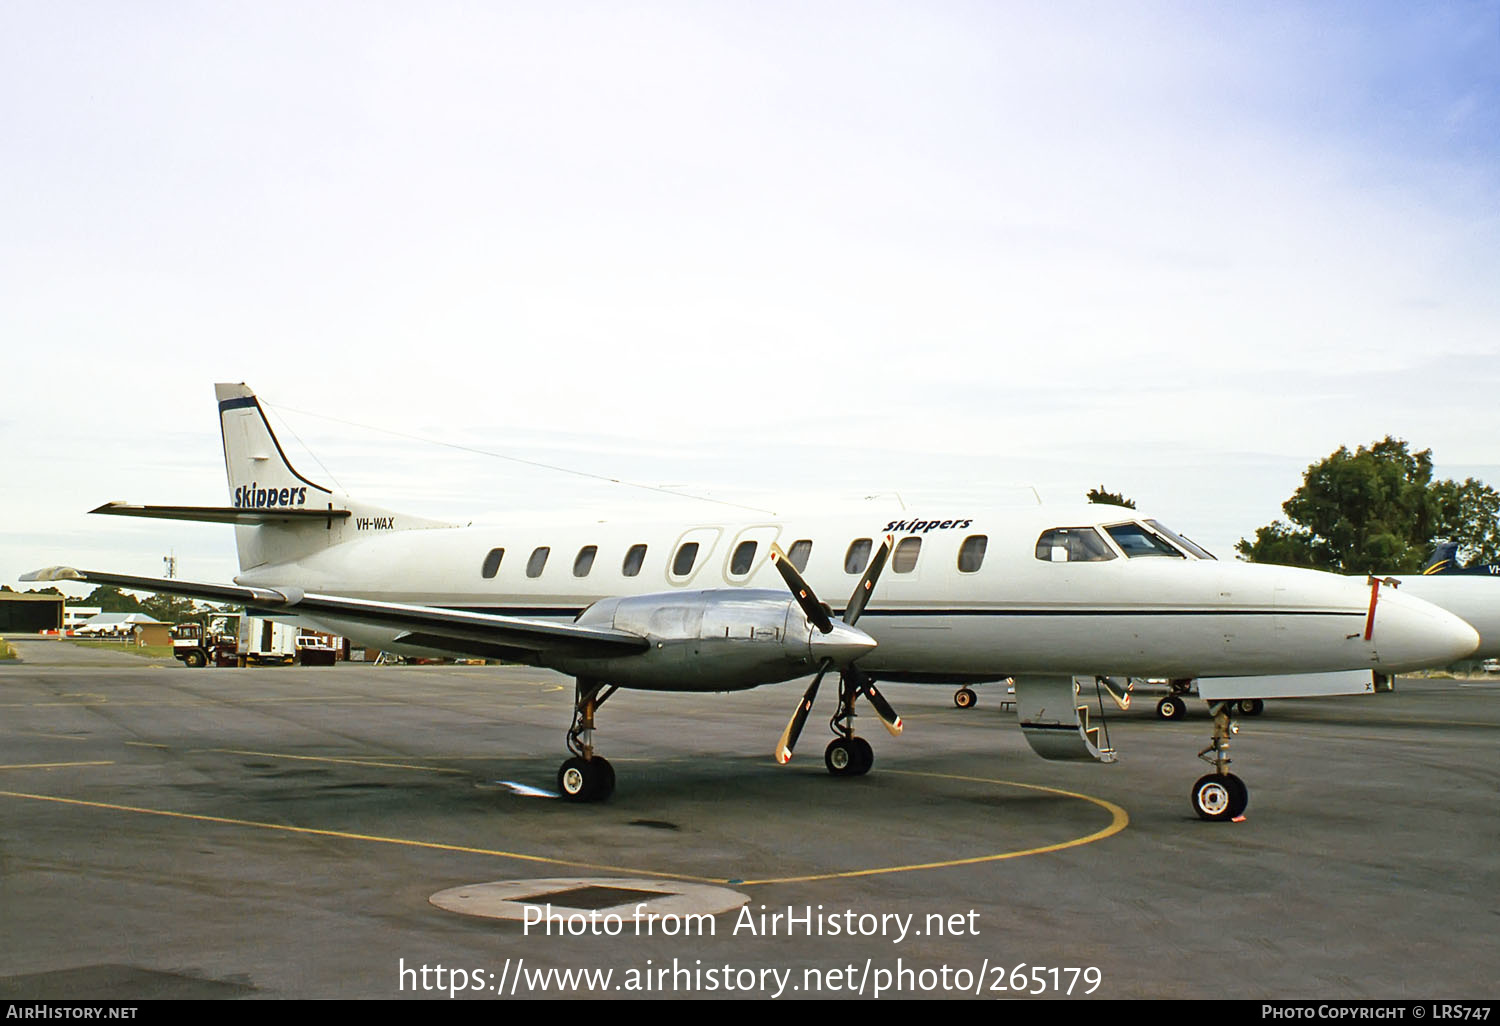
866 585
883 709
794 725
811 607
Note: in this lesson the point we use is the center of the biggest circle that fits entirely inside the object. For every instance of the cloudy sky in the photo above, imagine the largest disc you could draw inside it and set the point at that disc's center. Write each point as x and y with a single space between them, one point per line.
776 253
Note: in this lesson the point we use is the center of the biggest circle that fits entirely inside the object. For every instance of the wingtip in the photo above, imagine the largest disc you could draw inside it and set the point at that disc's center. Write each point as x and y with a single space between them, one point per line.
52 573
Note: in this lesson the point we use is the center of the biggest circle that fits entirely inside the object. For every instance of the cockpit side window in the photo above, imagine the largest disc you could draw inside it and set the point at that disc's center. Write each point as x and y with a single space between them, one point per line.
1135 540
1182 541
1072 545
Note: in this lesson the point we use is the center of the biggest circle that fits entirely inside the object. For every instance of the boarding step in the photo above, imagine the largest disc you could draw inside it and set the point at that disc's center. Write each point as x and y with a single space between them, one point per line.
1056 723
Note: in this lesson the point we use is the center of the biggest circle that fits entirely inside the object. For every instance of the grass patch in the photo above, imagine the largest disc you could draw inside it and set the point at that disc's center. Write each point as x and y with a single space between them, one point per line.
129 647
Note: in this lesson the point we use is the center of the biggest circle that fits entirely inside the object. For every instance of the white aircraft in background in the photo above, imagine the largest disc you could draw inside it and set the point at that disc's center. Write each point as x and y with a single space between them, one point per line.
1051 597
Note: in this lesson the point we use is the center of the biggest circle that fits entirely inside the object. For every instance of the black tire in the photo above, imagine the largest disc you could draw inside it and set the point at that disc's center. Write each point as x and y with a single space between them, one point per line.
195 659
864 756
1171 708
1249 706
1214 797
604 782
1239 795
965 698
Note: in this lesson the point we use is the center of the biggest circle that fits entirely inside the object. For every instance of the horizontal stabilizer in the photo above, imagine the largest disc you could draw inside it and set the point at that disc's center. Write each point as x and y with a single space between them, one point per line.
222 514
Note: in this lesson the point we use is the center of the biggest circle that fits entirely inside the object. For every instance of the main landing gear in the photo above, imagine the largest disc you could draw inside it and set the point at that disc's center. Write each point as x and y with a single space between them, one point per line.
586 777
847 755
1220 795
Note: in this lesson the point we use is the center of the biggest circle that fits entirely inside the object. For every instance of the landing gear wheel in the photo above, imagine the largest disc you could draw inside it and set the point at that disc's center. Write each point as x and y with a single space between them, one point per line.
842 757
1220 797
1171 708
965 698
586 780
864 756
1249 706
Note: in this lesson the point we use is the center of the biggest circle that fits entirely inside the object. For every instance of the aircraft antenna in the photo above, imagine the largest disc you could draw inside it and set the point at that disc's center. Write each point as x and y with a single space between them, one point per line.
305 447
514 459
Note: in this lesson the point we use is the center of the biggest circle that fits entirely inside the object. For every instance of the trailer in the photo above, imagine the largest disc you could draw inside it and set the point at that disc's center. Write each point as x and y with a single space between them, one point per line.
266 642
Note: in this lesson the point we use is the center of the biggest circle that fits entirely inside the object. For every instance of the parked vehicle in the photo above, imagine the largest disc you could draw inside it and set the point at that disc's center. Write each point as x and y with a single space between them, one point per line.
212 642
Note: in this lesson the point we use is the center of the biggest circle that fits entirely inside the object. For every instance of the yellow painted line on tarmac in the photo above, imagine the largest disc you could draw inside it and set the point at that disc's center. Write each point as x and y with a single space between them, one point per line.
370 838
1119 820
51 765
329 758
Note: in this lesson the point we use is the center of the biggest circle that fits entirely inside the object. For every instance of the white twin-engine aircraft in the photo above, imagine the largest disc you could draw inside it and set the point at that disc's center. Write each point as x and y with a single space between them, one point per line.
1053 597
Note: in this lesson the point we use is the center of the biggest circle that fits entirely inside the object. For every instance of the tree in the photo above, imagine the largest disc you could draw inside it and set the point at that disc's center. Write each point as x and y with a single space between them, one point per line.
169 608
110 599
1377 509
1099 495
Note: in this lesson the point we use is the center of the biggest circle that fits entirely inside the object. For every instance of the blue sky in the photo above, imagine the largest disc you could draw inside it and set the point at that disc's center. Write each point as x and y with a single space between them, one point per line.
776 252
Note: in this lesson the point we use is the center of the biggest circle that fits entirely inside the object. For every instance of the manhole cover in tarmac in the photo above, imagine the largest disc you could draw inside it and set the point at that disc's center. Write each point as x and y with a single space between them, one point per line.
571 905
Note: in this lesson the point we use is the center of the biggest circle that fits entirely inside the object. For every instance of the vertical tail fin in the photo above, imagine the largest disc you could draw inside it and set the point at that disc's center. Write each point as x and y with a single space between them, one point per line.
262 478
1444 559
260 475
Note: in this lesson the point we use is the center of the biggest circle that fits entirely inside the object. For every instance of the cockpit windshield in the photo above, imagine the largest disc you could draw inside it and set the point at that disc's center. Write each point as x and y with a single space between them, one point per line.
1181 540
1136 540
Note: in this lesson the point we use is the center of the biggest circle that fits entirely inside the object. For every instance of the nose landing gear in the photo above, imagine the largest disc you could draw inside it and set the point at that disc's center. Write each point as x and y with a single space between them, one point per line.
1220 795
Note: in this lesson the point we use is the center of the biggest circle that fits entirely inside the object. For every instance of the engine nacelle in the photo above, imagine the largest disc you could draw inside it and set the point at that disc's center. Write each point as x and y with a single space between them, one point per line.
716 640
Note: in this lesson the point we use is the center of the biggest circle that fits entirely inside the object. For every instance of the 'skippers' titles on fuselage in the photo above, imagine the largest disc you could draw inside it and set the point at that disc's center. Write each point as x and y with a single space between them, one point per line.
923 526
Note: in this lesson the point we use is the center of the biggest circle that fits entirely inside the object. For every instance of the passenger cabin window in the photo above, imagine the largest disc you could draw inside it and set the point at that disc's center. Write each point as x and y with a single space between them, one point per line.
492 563
1072 545
1136 540
904 559
682 563
857 556
971 553
633 560
744 556
537 561
585 561
799 554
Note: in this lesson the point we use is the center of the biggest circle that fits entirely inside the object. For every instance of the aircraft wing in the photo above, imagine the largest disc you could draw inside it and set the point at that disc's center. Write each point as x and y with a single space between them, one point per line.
451 630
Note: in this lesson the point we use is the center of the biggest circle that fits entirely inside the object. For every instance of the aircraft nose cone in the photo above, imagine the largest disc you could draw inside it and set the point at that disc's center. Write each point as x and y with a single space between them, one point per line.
1412 634
842 645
